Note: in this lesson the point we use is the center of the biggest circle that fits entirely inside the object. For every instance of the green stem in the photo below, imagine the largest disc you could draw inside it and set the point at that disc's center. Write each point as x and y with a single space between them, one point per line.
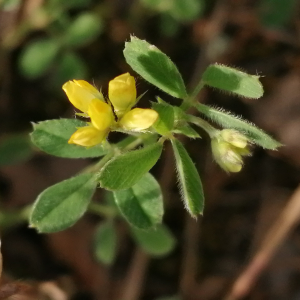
134 144
96 167
189 101
197 90
211 131
102 210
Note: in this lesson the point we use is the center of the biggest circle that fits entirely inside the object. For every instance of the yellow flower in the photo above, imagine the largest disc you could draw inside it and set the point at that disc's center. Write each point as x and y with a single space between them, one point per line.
81 93
101 114
228 147
225 156
122 93
234 138
88 136
138 119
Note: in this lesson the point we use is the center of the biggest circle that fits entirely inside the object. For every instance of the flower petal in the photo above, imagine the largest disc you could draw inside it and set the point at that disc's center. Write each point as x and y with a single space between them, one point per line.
138 119
87 136
226 156
122 93
81 93
101 114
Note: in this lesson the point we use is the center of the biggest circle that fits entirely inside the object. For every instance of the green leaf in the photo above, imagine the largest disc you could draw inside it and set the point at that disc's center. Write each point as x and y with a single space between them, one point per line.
233 80
37 57
154 66
62 205
168 26
52 137
187 10
84 30
142 204
158 5
9 5
15 149
189 180
228 120
127 169
276 13
165 121
157 241
70 66
187 130
70 3
105 245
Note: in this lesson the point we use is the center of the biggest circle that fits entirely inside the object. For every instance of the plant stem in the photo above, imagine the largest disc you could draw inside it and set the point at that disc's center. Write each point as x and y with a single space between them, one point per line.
189 101
102 210
211 131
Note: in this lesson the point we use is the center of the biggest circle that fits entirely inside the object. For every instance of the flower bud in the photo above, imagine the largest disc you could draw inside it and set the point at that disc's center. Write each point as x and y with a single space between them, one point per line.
122 93
226 156
234 138
138 119
88 136
81 93
101 114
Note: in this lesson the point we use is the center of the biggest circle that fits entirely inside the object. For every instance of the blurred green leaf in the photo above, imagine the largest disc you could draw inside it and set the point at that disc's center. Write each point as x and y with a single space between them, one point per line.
84 30
233 80
165 121
276 13
158 5
62 205
187 10
105 245
70 3
127 169
228 120
70 66
189 180
7 5
142 204
52 137
158 241
37 57
154 66
168 25
15 149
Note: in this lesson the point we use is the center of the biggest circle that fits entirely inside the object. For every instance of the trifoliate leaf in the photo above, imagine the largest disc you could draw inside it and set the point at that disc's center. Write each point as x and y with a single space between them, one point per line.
228 120
142 204
127 169
52 137
105 244
233 80
165 121
154 66
37 57
61 205
189 180
158 241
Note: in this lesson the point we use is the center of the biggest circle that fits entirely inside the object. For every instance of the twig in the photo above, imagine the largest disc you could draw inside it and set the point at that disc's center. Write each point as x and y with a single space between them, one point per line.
286 222
135 276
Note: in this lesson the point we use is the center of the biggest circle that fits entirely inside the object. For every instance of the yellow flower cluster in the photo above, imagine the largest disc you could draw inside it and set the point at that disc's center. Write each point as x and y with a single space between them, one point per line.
228 148
90 101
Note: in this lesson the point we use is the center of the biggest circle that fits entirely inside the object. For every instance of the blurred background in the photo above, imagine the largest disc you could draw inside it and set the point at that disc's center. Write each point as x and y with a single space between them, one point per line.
44 43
